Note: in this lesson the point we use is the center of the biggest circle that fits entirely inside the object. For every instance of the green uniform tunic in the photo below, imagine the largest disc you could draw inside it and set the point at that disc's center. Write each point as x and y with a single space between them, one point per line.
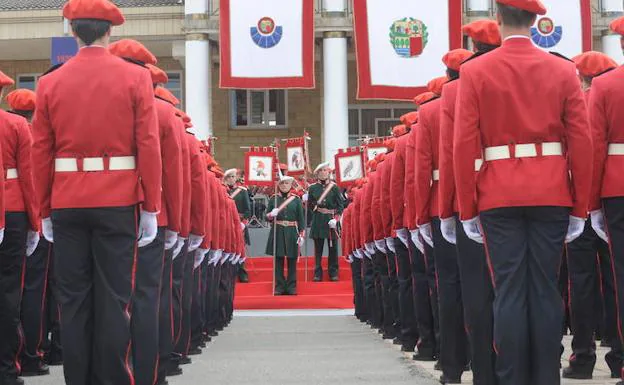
333 201
243 204
286 238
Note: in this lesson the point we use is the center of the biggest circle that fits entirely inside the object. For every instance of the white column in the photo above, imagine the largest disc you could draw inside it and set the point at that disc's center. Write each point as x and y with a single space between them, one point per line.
195 6
334 5
335 99
478 5
612 6
198 100
611 46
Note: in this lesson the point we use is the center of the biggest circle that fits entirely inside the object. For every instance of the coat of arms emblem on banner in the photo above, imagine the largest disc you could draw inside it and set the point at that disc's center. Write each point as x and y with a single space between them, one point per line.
409 37
266 34
545 33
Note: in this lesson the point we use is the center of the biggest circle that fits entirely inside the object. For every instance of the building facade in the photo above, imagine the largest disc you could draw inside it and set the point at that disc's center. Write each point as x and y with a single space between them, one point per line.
184 35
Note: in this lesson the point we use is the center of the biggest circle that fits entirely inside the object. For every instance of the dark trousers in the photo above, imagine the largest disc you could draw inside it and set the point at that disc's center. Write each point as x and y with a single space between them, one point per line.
95 254
332 259
35 305
453 341
524 246
242 272
165 318
432 281
427 344
359 299
212 299
389 323
182 299
224 294
614 213
409 326
393 293
145 314
52 334
12 251
584 269
197 317
284 284
477 296
373 302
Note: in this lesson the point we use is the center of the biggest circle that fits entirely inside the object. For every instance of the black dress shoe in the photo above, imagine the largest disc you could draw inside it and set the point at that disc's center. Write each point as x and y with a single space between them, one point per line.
54 358
424 356
243 279
213 333
448 380
162 382
185 360
397 341
11 381
38 369
202 344
172 372
576 374
334 278
195 351
389 336
437 366
317 278
408 348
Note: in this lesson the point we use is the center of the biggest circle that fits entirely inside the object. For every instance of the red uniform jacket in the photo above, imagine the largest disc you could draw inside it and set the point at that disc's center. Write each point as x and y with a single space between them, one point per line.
346 223
607 124
427 162
170 127
364 217
518 94
375 211
357 242
19 194
410 179
186 185
447 203
223 197
386 207
198 187
397 183
210 198
96 105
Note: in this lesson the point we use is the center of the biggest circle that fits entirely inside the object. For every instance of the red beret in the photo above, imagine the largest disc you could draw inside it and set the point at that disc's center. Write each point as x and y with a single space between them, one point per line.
22 100
424 98
183 115
617 25
380 157
158 76
188 125
436 84
132 49
93 9
593 63
483 31
399 130
218 171
409 118
166 95
533 6
5 81
390 144
454 59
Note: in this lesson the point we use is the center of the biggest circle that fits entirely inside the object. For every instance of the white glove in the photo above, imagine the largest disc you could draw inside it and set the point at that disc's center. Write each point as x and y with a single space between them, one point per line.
194 242
171 239
178 247
575 228
46 229
305 197
381 245
416 240
200 254
332 223
363 253
234 260
425 231
390 243
215 255
32 240
243 226
300 241
598 224
472 228
358 254
224 257
403 235
274 213
148 228
242 260
350 258
370 247
449 230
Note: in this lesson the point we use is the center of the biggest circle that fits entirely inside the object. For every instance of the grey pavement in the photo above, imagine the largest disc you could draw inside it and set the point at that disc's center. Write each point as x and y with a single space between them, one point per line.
290 349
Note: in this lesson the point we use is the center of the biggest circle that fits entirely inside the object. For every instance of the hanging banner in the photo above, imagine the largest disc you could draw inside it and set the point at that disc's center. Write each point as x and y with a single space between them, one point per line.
349 166
260 166
267 44
400 43
297 156
375 148
566 28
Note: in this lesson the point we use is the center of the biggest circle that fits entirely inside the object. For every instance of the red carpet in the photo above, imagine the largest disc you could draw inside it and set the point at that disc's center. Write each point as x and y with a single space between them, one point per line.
311 295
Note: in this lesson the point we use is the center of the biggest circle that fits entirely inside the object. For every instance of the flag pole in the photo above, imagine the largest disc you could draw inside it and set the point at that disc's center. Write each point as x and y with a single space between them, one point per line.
305 213
275 148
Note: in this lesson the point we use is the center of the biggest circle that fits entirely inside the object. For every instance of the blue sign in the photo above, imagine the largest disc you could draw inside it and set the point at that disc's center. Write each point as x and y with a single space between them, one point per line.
63 49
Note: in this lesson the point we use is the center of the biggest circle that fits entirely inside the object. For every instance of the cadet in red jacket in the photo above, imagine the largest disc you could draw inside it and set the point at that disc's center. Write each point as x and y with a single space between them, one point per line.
589 267
371 273
607 197
477 293
97 157
523 204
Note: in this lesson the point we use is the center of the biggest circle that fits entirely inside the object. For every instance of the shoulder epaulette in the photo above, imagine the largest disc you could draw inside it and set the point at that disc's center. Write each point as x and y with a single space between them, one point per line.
604 72
476 55
133 61
429 101
53 68
557 54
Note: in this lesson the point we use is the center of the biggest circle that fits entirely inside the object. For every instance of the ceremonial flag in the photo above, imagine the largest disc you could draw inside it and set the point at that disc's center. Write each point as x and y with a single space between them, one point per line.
566 28
297 156
375 148
260 165
267 44
400 43
349 166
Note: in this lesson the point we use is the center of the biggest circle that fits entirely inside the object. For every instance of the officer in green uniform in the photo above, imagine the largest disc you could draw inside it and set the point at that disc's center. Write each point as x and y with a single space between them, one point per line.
243 205
286 210
326 203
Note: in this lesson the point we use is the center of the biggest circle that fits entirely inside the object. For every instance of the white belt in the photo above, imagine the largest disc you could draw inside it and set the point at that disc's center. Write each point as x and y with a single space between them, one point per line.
11 173
616 149
527 150
436 175
115 163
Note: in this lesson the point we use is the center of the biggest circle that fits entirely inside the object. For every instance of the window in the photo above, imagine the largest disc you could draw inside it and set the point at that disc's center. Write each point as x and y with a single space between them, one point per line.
175 85
374 120
28 81
259 109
